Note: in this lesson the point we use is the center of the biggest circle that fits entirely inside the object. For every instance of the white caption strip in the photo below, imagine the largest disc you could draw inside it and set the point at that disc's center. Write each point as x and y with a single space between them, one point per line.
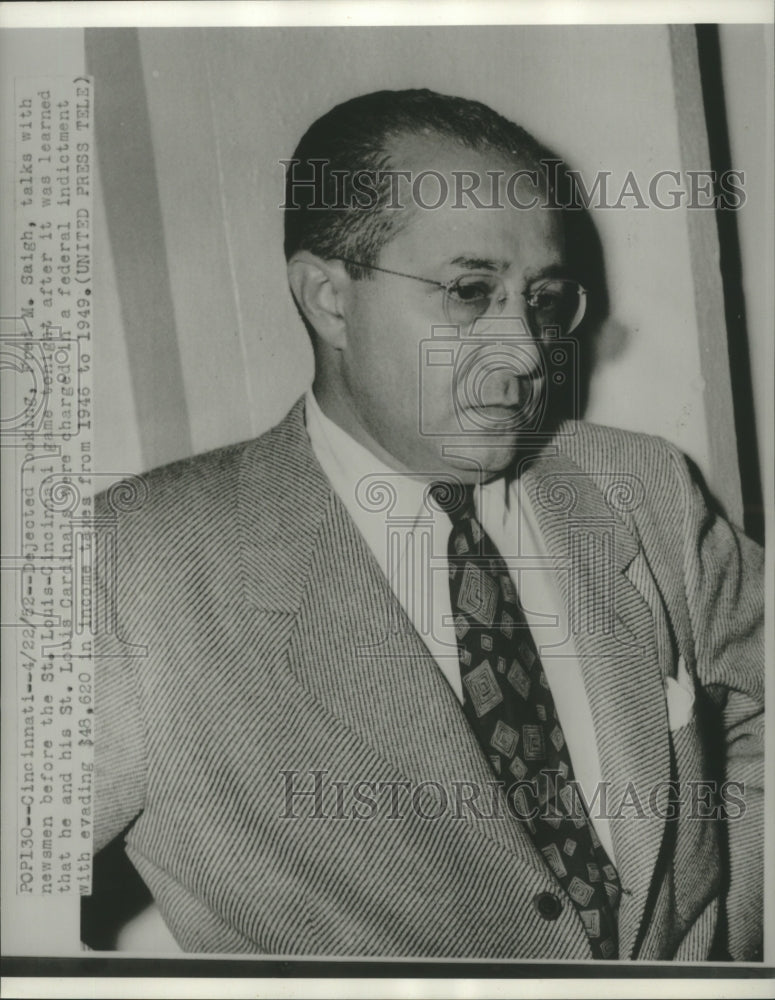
47 426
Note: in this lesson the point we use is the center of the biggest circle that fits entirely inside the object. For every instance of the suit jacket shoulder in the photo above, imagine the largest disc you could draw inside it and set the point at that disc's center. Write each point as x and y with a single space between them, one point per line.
200 505
603 452
178 548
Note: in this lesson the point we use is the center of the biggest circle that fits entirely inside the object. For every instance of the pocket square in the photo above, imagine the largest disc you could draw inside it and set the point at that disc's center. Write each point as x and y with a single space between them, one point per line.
680 697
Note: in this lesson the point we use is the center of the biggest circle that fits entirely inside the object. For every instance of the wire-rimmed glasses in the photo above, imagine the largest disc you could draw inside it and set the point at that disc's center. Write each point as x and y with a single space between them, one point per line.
555 305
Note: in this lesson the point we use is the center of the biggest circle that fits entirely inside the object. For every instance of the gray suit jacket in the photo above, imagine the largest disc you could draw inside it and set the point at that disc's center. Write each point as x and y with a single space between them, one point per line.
252 651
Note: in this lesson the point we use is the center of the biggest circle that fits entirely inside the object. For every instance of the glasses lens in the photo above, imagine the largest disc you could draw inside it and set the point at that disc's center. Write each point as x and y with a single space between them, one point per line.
557 305
472 296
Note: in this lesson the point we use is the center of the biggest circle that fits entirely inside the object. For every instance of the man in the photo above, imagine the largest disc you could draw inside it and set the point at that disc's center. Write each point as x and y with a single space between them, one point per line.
427 671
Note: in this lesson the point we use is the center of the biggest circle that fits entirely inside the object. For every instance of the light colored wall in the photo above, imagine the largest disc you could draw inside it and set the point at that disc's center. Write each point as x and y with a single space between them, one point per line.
225 105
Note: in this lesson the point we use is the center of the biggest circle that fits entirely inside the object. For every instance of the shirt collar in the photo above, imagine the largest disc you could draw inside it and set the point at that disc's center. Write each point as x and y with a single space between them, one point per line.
366 484
360 478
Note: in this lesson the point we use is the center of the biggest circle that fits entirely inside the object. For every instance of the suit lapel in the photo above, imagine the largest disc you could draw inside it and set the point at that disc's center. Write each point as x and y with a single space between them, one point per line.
281 487
352 647
613 630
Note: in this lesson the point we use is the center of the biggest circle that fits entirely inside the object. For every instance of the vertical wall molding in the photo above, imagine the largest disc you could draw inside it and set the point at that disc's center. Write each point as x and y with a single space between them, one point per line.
707 277
134 219
719 97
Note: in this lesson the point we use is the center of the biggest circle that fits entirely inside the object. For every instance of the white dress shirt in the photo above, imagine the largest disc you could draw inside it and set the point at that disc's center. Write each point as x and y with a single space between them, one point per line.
409 536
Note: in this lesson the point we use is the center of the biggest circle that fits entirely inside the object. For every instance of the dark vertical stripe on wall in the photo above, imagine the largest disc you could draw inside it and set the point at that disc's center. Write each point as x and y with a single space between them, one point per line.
709 55
704 259
133 212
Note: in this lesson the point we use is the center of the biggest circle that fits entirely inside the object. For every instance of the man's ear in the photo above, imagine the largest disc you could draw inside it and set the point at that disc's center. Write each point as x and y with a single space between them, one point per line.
318 287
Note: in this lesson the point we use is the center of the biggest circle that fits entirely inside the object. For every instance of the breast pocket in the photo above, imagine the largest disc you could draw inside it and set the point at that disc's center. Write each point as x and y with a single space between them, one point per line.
679 693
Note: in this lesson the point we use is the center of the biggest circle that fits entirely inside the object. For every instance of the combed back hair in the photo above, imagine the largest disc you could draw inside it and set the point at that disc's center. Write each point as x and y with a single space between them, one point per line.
355 137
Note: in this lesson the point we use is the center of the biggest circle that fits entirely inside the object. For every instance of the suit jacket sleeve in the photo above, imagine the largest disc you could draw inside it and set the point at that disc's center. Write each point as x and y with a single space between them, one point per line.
723 570
119 750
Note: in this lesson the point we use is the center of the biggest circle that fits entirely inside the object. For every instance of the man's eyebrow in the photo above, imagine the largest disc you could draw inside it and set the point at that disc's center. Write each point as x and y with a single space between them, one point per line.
479 263
558 269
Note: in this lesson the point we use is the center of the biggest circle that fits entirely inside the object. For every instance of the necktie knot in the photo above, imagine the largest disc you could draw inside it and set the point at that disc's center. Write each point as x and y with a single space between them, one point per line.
455 499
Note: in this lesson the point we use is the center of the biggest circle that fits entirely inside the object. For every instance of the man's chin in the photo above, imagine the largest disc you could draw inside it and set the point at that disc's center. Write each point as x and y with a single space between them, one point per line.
481 457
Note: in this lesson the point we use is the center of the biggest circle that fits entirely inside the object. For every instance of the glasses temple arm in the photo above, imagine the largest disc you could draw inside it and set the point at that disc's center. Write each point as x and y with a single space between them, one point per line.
398 274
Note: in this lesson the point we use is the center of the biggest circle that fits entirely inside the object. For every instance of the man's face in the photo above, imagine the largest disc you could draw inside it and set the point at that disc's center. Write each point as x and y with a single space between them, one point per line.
462 404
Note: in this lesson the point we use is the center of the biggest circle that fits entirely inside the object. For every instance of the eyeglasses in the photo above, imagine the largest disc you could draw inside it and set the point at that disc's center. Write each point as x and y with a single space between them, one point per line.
556 304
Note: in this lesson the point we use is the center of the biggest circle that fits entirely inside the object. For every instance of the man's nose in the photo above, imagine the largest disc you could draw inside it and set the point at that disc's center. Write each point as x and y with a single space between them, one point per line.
509 336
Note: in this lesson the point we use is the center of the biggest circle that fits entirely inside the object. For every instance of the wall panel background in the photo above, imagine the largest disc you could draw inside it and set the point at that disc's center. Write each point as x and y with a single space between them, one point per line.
226 355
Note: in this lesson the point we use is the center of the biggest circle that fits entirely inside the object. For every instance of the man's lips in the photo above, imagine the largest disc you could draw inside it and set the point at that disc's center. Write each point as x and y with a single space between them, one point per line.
495 413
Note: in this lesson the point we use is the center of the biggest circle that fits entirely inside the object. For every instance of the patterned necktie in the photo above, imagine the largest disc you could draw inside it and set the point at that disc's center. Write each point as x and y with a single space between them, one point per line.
510 708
